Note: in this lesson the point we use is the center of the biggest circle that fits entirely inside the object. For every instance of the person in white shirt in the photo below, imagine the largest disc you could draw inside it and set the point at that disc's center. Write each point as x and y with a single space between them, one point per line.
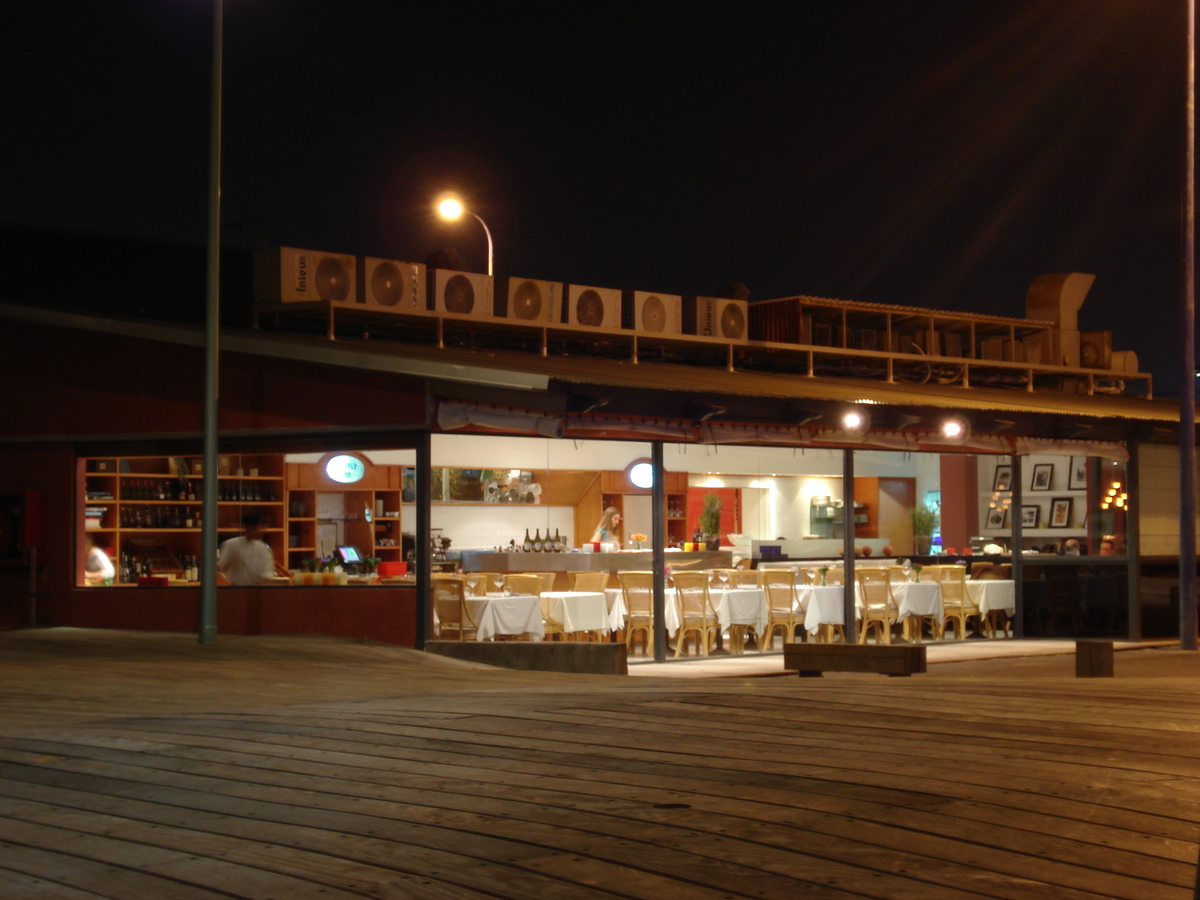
246 560
97 567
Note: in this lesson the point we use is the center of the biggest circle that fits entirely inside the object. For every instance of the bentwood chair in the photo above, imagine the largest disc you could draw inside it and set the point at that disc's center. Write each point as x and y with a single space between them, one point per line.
449 602
696 613
637 589
957 605
588 581
879 606
548 579
780 588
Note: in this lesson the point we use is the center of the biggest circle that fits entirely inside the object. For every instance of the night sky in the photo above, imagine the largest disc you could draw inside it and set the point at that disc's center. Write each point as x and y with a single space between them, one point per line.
938 154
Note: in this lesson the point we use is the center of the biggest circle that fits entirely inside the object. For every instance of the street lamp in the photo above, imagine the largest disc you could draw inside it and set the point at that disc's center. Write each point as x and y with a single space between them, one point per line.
451 209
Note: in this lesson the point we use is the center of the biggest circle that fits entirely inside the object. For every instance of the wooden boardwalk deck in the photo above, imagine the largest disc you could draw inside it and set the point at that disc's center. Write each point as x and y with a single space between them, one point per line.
134 767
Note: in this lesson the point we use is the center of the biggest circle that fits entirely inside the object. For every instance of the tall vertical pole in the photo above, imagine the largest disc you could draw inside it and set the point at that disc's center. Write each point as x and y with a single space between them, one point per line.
212 328
1187 392
1018 544
658 522
423 551
849 607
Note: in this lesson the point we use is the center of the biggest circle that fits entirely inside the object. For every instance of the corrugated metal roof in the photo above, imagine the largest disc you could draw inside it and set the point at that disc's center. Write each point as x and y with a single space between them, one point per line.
856 305
494 367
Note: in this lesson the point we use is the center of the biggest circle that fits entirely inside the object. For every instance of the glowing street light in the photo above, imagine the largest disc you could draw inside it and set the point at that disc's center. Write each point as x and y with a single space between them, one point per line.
451 209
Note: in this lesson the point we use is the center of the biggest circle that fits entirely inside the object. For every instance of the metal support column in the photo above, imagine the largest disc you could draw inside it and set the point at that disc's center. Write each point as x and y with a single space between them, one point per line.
849 608
1133 545
1187 382
1018 539
212 330
423 551
658 541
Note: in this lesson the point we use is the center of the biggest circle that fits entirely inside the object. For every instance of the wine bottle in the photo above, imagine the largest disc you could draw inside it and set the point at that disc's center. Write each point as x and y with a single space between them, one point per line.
537 540
191 491
558 544
528 545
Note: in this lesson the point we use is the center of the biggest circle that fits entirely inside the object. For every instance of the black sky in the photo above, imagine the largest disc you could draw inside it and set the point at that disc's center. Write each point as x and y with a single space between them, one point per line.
938 153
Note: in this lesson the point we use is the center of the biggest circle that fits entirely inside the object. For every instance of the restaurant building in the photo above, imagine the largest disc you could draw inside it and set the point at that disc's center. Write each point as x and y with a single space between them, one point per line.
347 399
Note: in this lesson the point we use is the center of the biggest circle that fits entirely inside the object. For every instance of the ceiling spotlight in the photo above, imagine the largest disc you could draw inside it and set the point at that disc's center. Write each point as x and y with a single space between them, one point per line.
955 429
854 420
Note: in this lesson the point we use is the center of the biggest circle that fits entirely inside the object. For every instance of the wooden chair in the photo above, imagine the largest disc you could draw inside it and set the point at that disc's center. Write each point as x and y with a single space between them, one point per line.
484 583
780 588
449 602
957 605
588 581
879 606
637 589
749 578
524 583
696 613
548 579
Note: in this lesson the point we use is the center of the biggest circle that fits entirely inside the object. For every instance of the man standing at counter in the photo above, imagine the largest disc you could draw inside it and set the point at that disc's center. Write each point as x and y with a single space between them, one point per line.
245 560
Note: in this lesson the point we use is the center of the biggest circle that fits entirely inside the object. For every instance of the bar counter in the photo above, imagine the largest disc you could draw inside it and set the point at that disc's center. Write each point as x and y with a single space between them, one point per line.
562 563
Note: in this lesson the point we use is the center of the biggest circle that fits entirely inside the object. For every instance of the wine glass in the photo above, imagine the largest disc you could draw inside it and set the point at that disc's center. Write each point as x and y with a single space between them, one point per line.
499 579
473 583
907 567
724 576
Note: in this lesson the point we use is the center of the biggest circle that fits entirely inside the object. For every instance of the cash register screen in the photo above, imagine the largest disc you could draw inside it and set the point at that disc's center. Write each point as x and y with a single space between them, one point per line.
349 554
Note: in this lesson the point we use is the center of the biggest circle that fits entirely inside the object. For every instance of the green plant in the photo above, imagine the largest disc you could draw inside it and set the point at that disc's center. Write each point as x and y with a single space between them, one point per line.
710 518
924 520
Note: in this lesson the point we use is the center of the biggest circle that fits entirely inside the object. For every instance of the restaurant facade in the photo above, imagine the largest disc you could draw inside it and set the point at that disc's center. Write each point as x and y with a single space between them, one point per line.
432 439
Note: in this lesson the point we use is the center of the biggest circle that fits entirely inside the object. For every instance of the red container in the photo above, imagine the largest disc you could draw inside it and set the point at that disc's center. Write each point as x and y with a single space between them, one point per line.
392 569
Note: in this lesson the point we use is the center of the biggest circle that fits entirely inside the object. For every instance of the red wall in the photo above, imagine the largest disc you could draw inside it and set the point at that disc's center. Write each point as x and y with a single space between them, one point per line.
70 382
372 613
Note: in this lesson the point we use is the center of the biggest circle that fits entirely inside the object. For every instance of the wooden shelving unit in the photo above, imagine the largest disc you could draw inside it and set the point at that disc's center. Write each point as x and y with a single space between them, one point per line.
150 506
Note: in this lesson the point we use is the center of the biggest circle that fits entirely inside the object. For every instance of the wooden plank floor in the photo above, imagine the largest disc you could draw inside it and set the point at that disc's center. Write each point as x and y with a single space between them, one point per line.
142 766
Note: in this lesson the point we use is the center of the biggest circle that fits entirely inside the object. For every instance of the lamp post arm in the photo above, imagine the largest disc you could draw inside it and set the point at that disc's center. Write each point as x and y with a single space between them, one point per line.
489 239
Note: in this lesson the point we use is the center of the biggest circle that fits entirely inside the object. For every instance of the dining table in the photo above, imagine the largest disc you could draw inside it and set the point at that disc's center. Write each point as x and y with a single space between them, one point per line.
579 610
499 613
918 598
823 604
994 596
733 606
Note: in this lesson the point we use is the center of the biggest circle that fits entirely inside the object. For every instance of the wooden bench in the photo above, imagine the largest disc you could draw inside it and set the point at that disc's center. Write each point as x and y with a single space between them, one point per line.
885 659
1093 659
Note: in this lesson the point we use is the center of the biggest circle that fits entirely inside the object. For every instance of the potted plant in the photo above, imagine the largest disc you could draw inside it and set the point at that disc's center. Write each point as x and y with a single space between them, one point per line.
924 521
710 521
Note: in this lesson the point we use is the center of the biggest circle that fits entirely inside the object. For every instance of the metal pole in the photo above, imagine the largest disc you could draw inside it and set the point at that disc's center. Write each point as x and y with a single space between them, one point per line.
1018 561
423 555
658 541
1133 545
848 593
212 328
1187 392
489 239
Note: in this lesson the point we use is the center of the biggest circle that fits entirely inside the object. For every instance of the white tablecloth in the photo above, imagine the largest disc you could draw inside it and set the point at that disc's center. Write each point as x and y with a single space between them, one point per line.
992 594
918 598
579 610
741 606
498 614
822 605
618 614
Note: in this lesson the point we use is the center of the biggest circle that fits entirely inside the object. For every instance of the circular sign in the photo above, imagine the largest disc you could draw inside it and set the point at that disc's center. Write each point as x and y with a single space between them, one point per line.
345 469
641 475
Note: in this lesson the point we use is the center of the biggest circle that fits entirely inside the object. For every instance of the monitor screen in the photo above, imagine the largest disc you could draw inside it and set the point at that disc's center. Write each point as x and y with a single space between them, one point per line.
349 554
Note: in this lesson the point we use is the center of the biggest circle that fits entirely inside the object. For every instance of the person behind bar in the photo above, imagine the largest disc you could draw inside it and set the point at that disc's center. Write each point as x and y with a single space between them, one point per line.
246 560
606 528
97 567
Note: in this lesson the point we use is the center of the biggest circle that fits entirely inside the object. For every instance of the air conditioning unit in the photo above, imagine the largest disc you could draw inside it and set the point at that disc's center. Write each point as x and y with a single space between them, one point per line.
531 301
593 307
659 313
1095 349
463 293
287 275
391 286
716 317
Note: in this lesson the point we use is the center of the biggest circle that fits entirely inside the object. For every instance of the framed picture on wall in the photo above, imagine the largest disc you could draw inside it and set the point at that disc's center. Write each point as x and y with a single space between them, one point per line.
1043 475
1003 479
995 519
1030 516
1060 512
1078 480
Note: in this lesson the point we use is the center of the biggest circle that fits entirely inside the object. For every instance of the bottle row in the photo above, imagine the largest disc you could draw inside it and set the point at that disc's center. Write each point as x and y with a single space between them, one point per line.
135 565
188 491
548 544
